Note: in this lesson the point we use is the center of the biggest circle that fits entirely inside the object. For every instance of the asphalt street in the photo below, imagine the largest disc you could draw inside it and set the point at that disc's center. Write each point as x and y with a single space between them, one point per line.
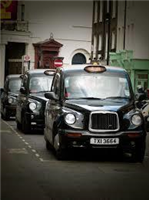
30 172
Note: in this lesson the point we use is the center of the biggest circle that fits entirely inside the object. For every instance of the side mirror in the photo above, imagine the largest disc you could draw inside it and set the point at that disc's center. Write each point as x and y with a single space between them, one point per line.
23 90
50 95
140 96
21 76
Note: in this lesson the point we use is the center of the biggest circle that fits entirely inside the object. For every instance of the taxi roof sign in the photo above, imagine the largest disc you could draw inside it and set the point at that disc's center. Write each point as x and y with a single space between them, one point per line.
95 69
49 72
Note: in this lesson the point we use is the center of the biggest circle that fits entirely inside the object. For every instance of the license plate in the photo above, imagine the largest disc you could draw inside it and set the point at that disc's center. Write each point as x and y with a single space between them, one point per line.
104 141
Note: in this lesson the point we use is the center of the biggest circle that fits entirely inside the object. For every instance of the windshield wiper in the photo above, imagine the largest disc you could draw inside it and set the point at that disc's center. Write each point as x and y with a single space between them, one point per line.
41 91
117 97
88 98
97 98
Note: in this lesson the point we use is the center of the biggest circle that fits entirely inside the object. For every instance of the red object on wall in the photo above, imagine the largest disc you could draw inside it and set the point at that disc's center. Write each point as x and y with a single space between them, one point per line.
45 52
8 10
58 62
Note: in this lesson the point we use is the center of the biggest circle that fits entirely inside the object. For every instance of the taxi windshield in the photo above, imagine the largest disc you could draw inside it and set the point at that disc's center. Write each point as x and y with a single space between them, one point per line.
97 86
40 84
14 85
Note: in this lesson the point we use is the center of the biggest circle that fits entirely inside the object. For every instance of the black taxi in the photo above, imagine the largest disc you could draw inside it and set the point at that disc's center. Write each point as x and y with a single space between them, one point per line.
31 101
93 106
9 96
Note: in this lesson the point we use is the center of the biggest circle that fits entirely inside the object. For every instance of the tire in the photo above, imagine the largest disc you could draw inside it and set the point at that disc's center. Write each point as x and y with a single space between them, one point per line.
61 154
19 125
25 125
48 145
2 116
138 152
5 114
60 151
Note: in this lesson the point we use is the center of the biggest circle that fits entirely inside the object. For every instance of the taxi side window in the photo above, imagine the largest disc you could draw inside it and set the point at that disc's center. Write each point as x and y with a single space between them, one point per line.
56 85
24 82
6 85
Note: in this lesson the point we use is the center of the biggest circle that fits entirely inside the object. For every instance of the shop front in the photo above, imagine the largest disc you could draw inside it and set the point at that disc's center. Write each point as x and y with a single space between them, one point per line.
138 69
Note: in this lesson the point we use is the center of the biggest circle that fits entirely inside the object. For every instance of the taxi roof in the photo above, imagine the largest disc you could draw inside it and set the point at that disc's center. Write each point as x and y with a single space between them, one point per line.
80 67
36 71
13 76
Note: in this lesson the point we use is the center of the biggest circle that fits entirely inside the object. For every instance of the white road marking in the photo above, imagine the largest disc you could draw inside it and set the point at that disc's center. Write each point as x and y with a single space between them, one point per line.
5 131
18 151
26 143
21 150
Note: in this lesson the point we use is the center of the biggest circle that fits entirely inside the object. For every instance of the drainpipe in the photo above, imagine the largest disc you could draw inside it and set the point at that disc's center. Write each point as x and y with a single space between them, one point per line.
125 17
109 16
92 38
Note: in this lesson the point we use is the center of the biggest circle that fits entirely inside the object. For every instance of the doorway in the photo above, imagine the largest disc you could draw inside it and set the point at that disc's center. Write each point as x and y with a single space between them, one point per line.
142 79
14 53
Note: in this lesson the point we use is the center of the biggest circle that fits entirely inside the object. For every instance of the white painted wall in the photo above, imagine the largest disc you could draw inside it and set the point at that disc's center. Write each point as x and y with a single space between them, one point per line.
137 28
141 30
70 23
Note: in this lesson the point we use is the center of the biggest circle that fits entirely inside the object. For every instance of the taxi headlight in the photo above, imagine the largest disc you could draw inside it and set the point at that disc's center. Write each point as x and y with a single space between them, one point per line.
70 118
32 106
136 120
10 100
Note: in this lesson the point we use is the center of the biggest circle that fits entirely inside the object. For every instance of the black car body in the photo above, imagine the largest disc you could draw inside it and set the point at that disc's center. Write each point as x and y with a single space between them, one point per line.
9 95
145 111
100 113
31 101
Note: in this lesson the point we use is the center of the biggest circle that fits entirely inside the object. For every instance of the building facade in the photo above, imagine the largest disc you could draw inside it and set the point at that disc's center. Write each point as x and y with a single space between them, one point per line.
116 32
65 24
133 41
120 36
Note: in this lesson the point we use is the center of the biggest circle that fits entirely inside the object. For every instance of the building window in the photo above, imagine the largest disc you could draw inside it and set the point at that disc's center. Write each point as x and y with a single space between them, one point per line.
22 12
78 58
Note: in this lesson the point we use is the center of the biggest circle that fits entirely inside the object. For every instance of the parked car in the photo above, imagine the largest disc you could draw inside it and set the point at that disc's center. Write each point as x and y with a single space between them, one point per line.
93 106
31 101
1 91
9 95
145 112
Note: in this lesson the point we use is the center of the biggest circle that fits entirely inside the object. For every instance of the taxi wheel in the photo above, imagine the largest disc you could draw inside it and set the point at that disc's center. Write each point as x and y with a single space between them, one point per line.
25 125
48 145
5 114
60 152
19 125
138 152
2 116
